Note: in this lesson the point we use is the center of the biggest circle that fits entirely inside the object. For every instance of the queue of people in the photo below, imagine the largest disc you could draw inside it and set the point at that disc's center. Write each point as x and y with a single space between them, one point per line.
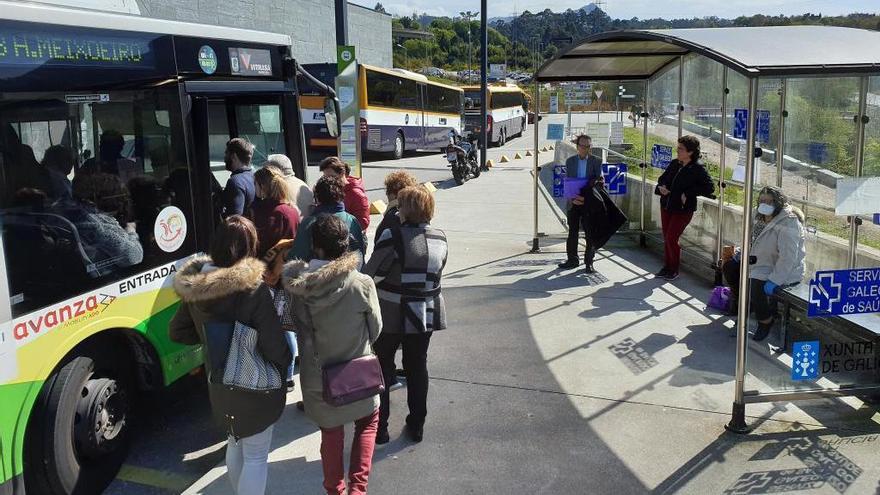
278 275
280 284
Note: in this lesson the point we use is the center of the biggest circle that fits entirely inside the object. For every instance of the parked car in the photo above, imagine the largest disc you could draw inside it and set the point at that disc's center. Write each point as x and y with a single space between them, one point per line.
432 71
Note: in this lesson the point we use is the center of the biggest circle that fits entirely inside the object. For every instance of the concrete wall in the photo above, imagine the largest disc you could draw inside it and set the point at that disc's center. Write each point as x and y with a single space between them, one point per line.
370 32
310 24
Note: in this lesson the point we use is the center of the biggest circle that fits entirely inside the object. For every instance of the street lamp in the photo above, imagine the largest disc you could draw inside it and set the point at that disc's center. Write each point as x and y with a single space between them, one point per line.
468 16
405 55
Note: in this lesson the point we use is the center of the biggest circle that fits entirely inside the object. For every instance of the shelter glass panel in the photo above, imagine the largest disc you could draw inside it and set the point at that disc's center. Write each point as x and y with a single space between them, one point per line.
662 112
734 161
868 248
803 335
702 93
820 140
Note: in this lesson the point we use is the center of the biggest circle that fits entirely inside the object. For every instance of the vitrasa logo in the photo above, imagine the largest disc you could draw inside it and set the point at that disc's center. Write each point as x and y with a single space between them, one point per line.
75 311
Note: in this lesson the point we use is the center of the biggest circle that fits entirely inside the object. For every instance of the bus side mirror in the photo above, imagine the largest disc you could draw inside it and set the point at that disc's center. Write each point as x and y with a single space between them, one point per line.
331 116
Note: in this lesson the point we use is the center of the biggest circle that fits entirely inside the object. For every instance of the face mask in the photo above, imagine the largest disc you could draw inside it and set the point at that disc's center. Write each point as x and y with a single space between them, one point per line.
765 209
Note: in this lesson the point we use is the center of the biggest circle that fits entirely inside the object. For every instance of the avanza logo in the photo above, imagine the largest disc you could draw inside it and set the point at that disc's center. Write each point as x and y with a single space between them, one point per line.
88 306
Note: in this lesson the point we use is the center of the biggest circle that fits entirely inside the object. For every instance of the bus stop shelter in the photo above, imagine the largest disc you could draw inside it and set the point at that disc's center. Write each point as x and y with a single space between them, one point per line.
796 107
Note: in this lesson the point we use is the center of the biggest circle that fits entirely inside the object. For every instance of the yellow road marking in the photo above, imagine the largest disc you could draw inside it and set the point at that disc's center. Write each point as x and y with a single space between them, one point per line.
165 480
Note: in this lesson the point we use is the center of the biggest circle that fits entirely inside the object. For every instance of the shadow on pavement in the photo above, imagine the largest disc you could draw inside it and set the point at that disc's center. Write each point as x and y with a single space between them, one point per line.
781 462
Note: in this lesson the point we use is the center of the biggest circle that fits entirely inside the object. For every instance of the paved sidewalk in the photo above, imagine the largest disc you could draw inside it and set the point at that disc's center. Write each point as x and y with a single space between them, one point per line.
558 382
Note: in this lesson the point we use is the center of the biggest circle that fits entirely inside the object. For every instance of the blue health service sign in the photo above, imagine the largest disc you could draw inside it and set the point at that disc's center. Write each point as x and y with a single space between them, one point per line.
661 155
845 292
740 123
558 181
555 132
817 152
763 126
805 360
615 177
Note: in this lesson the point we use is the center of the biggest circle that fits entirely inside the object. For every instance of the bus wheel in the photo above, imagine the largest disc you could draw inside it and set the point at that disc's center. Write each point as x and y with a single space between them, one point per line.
79 436
399 146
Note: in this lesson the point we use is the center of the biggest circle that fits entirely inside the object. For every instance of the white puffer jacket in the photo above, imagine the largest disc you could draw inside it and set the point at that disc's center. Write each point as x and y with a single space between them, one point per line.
779 249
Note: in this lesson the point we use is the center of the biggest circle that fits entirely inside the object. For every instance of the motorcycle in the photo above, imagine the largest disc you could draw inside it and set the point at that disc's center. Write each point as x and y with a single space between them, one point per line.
462 158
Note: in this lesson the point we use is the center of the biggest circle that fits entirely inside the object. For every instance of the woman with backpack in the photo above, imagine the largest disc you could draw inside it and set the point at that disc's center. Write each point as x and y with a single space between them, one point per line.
223 291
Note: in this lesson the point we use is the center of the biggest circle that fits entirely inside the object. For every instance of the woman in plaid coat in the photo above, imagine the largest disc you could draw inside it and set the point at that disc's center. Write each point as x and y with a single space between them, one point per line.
407 265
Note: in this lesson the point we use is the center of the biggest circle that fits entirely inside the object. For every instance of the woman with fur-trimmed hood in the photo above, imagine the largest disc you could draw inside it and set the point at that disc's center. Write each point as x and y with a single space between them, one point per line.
337 316
778 249
228 287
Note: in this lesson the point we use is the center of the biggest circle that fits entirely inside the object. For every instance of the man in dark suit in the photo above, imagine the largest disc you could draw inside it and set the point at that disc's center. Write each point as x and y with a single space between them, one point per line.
583 165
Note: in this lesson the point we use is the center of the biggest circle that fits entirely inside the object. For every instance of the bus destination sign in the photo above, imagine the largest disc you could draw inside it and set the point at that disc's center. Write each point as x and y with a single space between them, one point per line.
68 48
250 62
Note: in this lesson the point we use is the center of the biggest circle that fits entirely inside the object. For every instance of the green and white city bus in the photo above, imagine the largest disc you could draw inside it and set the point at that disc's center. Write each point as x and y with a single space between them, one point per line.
112 134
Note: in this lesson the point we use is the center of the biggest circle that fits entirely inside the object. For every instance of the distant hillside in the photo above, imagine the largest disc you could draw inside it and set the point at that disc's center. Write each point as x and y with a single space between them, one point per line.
549 27
511 39
494 20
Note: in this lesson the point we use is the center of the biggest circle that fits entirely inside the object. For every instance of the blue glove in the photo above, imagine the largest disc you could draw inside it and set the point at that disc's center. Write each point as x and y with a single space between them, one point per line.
769 288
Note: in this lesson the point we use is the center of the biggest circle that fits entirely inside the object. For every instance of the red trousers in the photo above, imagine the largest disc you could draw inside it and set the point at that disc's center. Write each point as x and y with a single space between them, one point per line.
674 223
362 445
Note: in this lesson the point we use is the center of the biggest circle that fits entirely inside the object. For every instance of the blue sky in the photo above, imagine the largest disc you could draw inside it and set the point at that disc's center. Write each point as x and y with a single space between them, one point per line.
638 8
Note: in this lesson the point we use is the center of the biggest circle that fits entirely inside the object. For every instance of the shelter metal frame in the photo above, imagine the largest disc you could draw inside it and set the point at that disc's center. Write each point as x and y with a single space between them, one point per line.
640 55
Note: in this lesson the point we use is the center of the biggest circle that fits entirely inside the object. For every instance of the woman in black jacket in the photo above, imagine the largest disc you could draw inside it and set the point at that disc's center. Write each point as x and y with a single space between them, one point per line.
678 188
228 287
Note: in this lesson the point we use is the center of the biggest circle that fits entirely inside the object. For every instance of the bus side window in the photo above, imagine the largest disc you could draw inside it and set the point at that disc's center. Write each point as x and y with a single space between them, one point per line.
69 227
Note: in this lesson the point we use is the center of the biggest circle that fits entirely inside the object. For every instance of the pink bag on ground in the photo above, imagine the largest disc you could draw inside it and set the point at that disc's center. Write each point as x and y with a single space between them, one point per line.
720 298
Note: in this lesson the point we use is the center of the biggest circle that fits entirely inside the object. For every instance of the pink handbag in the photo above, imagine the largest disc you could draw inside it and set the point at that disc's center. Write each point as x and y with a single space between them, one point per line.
351 381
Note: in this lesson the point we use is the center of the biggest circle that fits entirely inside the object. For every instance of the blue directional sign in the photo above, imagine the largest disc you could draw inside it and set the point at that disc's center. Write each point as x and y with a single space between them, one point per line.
740 123
805 360
661 155
558 181
763 126
877 218
615 177
817 152
555 132
845 292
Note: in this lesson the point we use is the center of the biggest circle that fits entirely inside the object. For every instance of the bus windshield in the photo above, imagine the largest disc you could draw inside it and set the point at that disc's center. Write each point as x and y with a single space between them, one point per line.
475 100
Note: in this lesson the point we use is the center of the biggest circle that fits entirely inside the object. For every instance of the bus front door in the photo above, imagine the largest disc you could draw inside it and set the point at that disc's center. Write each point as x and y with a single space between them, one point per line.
270 121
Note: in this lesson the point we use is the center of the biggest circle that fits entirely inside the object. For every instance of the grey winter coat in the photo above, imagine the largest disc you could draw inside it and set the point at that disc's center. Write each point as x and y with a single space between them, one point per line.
408 265
335 311
227 295
779 249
